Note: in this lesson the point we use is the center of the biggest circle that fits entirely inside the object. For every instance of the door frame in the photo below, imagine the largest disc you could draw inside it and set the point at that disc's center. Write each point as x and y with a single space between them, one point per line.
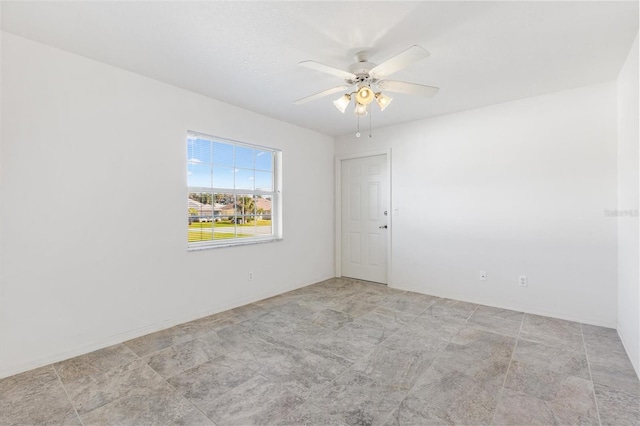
338 204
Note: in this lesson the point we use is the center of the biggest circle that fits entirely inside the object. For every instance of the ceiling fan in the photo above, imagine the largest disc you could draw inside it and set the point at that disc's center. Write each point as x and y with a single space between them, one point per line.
369 81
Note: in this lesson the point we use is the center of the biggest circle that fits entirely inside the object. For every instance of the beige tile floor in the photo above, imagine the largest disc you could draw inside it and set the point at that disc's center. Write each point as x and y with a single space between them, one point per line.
342 352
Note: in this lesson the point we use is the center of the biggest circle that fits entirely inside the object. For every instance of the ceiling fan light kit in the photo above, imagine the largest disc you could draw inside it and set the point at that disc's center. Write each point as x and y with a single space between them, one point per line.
365 95
367 76
342 102
360 110
383 100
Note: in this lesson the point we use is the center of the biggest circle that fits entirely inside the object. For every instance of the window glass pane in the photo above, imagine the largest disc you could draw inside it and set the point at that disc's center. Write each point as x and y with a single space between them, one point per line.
263 205
246 227
244 157
222 154
200 215
263 227
264 181
224 224
199 175
224 200
263 215
244 179
224 230
198 150
245 205
245 218
264 160
223 177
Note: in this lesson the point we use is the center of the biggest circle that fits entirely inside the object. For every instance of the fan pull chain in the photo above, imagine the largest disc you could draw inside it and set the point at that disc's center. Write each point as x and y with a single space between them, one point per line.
370 114
358 132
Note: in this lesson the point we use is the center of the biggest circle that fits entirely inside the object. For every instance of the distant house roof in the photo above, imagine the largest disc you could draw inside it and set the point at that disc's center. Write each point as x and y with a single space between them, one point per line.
193 204
228 209
261 203
264 204
204 208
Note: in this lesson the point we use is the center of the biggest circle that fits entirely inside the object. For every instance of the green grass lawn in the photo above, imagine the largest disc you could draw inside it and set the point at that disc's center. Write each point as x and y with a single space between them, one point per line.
195 235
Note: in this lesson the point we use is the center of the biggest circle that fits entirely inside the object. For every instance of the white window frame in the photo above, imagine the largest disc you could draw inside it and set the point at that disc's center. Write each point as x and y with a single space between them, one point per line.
276 196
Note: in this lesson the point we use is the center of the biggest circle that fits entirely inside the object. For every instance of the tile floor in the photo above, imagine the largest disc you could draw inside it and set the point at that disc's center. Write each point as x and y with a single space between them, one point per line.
342 352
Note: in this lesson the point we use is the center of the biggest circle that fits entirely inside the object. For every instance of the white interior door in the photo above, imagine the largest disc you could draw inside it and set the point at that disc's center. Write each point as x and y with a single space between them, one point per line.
364 218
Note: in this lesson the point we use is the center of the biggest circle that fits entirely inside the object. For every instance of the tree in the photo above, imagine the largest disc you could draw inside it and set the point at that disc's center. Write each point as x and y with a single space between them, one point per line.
245 205
202 197
222 198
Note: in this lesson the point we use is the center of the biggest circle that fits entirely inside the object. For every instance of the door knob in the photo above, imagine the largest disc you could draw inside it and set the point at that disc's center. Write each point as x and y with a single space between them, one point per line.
382 227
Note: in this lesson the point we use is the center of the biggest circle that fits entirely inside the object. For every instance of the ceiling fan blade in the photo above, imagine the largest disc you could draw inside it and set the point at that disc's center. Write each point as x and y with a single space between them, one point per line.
408 88
400 61
327 69
321 94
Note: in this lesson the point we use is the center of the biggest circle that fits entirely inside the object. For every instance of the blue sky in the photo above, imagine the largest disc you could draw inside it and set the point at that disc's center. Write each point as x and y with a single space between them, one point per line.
211 164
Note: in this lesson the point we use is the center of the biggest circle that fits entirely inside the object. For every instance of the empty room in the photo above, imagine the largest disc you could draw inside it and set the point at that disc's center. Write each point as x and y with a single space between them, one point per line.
319 213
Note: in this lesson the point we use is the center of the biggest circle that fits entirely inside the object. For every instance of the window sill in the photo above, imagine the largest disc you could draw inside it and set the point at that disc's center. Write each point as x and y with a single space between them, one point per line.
234 244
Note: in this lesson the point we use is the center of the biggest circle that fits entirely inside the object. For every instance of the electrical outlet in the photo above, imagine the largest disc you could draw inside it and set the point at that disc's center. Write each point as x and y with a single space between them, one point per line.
522 280
250 276
483 275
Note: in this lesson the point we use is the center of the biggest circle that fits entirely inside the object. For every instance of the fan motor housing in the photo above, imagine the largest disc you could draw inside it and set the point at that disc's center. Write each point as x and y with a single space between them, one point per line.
361 71
361 68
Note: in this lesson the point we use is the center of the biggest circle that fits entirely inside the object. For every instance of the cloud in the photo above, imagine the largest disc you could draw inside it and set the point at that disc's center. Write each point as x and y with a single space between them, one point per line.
194 160
261 153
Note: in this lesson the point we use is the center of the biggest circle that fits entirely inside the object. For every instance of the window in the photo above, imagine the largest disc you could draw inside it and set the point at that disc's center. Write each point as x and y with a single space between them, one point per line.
233 192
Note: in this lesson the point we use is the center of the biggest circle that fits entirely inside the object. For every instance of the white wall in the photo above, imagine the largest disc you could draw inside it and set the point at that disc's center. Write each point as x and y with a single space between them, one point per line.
513 189
93 207
629 199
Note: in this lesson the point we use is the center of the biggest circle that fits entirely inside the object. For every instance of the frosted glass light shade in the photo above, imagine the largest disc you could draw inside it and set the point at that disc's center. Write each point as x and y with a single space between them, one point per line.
383 100
365 95
342 103
360 110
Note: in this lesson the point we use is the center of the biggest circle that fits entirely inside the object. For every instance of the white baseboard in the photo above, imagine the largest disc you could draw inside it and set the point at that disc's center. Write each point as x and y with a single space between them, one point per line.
517 307
139 332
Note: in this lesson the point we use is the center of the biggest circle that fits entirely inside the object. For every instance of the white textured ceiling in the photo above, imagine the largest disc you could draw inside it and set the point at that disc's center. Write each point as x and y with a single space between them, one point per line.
245 53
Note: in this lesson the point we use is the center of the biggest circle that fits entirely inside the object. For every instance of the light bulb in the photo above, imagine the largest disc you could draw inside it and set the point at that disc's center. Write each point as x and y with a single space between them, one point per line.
365 95
383 100
342 102
360 110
